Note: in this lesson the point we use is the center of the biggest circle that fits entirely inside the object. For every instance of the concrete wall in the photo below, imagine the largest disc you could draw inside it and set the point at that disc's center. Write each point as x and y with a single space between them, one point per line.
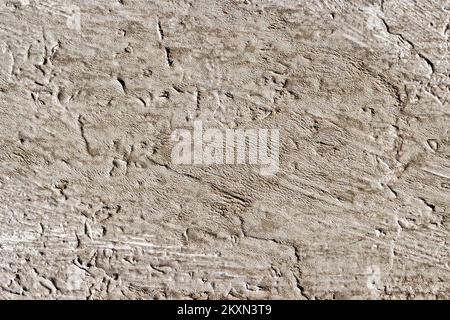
93 206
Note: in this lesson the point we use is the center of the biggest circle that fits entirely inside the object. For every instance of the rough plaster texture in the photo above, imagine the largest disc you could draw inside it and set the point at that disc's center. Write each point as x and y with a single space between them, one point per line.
91 206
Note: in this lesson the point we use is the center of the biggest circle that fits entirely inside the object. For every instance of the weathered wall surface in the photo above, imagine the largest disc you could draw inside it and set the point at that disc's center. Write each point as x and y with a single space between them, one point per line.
91 205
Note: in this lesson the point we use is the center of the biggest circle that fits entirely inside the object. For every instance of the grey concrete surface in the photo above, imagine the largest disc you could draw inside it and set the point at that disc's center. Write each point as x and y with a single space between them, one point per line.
93 207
